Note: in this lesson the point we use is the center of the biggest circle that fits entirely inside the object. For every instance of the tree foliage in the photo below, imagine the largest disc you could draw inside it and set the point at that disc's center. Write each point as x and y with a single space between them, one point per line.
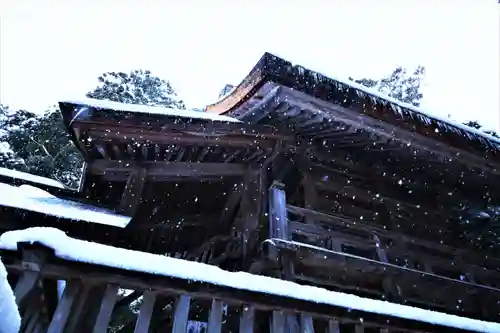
40 144
136 87
399 84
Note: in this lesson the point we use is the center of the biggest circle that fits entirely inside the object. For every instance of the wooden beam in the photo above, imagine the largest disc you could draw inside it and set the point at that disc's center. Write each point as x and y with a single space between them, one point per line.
184 137
164 170
131 197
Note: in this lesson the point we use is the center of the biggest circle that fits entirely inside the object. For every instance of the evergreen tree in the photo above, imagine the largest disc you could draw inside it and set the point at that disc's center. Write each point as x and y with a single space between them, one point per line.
40 144
136 87
399 85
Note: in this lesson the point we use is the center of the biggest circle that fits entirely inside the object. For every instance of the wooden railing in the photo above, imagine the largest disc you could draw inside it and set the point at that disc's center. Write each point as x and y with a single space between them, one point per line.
335 252
168 303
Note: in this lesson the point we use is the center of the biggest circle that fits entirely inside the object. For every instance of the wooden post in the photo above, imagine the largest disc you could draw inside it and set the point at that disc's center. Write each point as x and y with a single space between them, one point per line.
106 309
306 324
333 326
278 228
181 314
145 312
278 321
359 328
64 307
247 319
215 317
33 261
278 220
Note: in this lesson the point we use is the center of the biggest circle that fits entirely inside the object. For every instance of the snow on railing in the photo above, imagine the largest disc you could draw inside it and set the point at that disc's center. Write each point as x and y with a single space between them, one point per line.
103 255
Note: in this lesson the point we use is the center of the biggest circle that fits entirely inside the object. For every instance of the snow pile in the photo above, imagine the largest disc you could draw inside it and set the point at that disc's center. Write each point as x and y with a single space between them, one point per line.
108 105
37 200
9 314
30 178
93 253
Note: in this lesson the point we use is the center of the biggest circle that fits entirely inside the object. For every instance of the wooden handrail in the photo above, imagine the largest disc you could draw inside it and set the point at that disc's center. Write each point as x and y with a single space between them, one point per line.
87 278
387 234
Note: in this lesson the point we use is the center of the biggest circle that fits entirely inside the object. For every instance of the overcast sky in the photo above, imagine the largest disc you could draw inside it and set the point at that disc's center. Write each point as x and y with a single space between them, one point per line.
55 49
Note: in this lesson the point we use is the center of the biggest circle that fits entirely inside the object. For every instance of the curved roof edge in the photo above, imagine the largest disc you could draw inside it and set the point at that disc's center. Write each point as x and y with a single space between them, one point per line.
283 72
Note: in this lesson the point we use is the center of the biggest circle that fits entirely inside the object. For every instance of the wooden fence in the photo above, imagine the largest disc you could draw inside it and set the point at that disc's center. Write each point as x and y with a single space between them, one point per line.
91 299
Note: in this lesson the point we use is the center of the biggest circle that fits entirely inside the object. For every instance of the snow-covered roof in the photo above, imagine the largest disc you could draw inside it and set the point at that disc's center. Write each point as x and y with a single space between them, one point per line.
30 178
93 253
424 116
271 68
109 105
11 320
37 200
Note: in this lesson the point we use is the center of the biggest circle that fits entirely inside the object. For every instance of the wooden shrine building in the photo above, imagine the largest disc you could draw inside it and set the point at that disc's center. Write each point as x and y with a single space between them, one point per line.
291 175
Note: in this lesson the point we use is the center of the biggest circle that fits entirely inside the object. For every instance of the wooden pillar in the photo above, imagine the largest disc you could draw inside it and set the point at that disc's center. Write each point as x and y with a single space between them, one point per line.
250 210
278 228
278 220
